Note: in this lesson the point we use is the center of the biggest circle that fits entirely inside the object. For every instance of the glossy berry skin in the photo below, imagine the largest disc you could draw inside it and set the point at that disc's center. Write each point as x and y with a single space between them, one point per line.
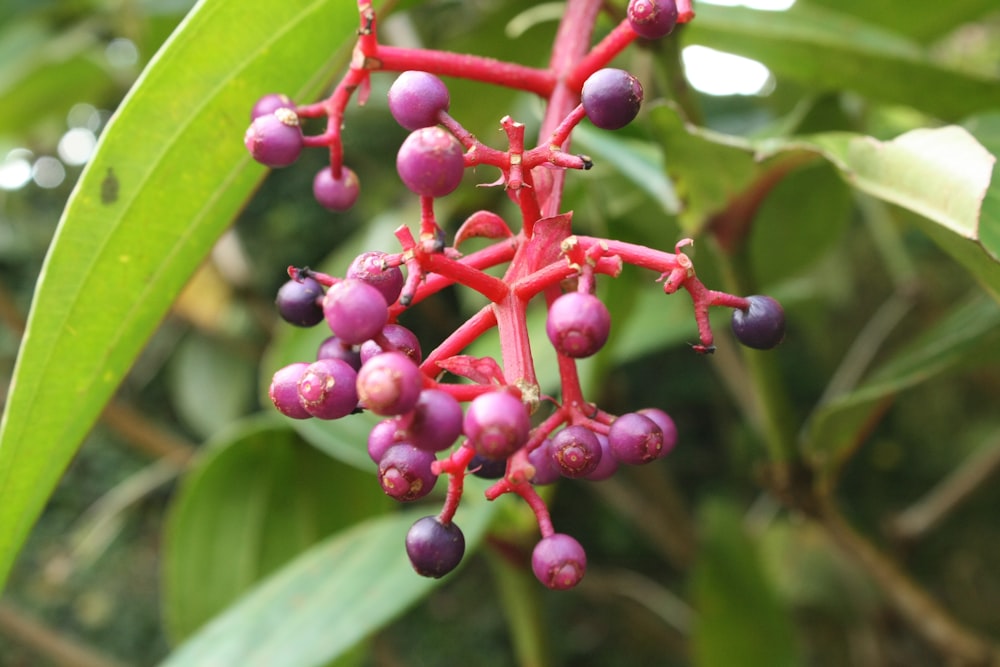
270 103
635 439
275 139
496 424
559 562
416 99
546 470
434 548
334 348
576 451
284 391
298 302
435 421
355 311
368 267
762 325
389 384
652 19
431 162
336 194
384 435
399 338
611 98
666 424
607 466
578 324
327 389
404 472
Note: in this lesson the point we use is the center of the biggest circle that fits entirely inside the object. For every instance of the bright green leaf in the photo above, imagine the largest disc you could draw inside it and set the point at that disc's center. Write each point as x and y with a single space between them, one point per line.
325 601
257 498
168 176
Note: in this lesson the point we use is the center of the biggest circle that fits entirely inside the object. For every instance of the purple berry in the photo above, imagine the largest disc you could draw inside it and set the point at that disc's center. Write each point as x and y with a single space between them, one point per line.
399 338
546 470
636 439
559 562
334 348
578 324
405 472
389 384
496 424
336 194
355 311
762 325
652 19
284 390
611 98
666 424
370 267
434 548
384 435
576 451
607 466
275 140
270 103
328 389
416 99
298 302
431 162
435 422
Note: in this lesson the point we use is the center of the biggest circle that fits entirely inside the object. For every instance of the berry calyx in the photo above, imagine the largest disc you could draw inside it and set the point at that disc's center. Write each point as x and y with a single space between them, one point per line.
559 562
611 98
431 162
336 194
578 324
389 384
434 548
762 325
275 139
576 451
298 302
652 19
404 472
327 389
417 98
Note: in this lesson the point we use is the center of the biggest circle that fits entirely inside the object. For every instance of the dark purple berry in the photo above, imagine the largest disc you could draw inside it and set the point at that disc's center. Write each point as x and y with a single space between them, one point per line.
370 267
284 390
487 469
496 424
298 302
559 562
576 451
546 470
275 139
389 384
762 325
666 424
355 311
405 472
399 338
435 422
652 19
416 99
328 389
434 548
336 194
607 466
611 98
431 162
384 435
578 324
334 348
636 439
270 103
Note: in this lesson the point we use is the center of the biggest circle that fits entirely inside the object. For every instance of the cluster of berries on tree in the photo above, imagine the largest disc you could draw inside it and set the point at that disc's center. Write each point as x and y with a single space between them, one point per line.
494 421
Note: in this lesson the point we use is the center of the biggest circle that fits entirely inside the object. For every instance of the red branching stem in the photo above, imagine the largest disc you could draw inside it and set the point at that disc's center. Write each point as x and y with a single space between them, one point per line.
460 339
636 255
552 274
527 199
563 130
515 348
684 11
530 496
603 53
489 286
454 466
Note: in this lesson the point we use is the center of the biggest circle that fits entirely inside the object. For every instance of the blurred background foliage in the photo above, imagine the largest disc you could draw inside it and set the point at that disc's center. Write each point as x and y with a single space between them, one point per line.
692 561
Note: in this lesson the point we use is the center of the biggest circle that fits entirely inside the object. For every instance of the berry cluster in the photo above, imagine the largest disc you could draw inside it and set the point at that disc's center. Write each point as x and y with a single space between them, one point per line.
507 430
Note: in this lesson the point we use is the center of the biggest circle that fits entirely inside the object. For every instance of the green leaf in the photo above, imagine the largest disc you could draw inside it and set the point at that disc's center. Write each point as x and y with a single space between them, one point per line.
328 599
826 50
967 335
257 498
740 618
168 176
925 19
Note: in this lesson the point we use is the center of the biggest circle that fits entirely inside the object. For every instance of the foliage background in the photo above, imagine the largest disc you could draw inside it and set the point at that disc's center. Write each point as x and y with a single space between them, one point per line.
888 379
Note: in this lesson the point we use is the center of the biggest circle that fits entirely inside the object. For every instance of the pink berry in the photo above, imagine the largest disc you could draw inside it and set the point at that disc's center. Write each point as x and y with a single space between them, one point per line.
336 194
496 424
578 324
284 391
389 384
559 561
416 99
431 162
652 19
355 311
275 139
